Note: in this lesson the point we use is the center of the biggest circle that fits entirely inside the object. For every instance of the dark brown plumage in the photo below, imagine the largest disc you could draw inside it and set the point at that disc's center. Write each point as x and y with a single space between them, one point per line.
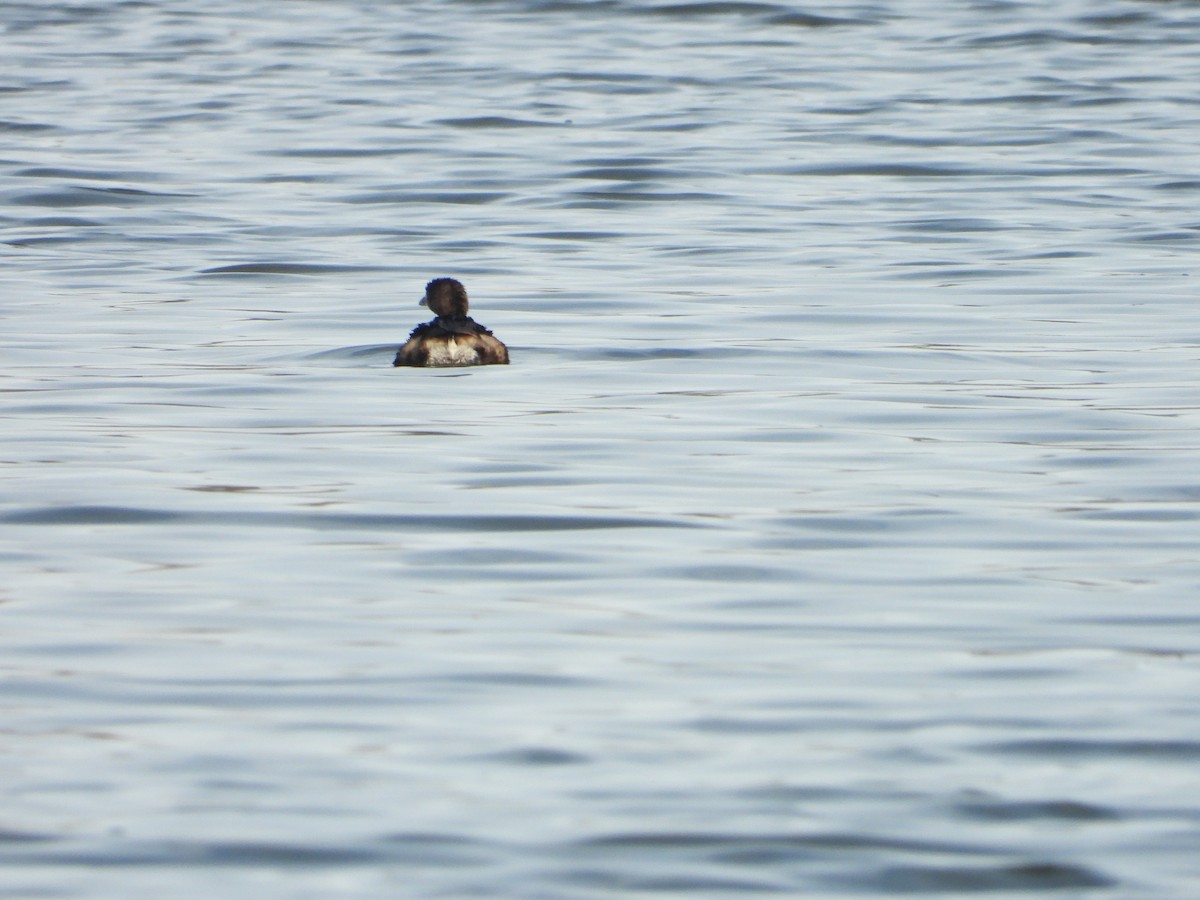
453 338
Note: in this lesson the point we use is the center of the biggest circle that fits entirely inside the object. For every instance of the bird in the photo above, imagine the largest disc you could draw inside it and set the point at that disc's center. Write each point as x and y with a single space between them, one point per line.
453 338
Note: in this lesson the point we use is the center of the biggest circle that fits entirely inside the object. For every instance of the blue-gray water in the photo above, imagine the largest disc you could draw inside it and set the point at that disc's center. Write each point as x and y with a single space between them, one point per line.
835 530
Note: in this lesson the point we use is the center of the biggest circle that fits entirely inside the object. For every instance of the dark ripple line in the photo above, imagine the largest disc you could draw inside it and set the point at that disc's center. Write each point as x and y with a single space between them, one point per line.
771 13
1141 515
9 125
811 20
453 851
684 840
912 170
119 515
268 268
1034 810
630 173
1166 751
422 850
360 692
535 757
1039 38
496 122
464 198
1031 876
613 199
623 884
92 196
340 152
92 174
714 8
23 837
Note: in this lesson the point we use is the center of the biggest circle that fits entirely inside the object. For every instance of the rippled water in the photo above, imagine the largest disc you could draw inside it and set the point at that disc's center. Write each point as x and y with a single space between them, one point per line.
834 530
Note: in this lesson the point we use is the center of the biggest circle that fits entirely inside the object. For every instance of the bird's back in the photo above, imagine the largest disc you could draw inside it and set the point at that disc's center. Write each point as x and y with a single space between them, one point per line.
460 341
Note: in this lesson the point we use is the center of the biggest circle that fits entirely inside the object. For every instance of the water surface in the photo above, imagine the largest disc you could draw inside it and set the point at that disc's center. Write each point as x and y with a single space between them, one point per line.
834 530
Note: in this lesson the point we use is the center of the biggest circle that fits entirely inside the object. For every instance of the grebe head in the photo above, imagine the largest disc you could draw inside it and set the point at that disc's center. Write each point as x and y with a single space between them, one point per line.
446 297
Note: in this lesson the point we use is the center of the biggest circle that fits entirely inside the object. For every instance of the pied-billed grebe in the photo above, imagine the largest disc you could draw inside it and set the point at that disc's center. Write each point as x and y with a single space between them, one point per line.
453 338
